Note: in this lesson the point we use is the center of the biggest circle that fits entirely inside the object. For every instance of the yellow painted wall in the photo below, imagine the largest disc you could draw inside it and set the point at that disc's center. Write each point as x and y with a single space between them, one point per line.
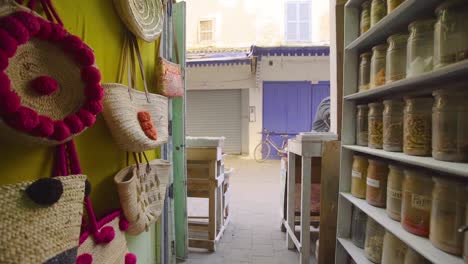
97 23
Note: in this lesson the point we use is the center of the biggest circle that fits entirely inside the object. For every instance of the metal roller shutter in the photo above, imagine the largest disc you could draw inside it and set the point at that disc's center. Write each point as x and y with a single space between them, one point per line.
216 113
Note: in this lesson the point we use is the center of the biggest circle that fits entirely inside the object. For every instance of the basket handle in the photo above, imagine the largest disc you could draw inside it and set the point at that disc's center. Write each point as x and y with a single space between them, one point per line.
48 8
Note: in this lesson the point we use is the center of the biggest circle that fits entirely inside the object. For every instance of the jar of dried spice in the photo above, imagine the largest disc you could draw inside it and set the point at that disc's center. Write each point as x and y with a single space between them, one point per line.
413 257
417 127
394 185
359 176
364 71
374 241
416 202
394 250
392 4
375 128
420 47
378 11
358 227
447 215
365 17
377 71
449 126
450 34
376 191
362 125
393 125
396 58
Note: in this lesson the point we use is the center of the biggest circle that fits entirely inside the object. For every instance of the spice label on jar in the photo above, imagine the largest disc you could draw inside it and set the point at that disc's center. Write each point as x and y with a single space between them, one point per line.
395 194
421 202
356 174
373 183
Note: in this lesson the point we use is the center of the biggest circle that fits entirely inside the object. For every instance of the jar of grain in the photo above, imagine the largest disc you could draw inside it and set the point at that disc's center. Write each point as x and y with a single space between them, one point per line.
449 126
416 202
417 127
413 257
378 11
394 185
358 227
447 215
364 71
394 250
420 47
392 4
376 191
396 58
375 118
359 176
362 125
365 17
377 69
393 125
374 241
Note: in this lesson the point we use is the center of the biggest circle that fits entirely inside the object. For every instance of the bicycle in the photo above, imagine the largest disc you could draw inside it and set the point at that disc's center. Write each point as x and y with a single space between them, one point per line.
263 149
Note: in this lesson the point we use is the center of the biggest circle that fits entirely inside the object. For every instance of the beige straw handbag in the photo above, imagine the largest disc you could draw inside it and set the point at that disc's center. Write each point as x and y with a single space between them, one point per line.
123 104
142 189
144 18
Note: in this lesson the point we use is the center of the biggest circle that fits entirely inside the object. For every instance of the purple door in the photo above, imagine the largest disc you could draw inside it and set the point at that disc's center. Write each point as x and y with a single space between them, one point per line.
289 108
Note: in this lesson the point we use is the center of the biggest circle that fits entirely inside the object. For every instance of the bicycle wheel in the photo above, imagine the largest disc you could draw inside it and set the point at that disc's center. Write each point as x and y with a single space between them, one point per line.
262 152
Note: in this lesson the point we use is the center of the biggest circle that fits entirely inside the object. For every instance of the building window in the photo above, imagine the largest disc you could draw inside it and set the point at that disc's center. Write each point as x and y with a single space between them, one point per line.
298 21
206 31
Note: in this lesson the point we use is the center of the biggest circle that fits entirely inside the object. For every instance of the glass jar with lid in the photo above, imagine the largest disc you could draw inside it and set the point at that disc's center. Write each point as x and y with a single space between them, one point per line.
393 125
417 127
378 11
396 58
449 126
394 250
377 69
392 4
447 215
364 71
420 52
374 240
358 227
375 121
359 176
450 34
416 202
394 185
364 21
362 125
413 257
376 191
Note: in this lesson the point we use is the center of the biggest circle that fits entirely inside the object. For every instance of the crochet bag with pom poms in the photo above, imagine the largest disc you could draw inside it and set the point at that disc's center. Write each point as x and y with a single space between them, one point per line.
49 85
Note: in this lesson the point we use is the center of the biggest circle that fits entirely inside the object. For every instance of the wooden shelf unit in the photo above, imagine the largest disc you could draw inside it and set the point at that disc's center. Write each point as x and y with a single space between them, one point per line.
455 74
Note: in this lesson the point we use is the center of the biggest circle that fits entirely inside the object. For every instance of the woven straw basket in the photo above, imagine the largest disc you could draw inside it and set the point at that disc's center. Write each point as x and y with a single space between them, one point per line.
41 234
144 18
142 189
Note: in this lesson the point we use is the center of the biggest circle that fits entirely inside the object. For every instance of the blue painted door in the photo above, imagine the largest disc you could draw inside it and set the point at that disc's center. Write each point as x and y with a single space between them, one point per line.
289 108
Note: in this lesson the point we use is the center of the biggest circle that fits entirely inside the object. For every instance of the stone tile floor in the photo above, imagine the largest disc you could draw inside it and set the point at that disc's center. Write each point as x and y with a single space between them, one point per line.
253 236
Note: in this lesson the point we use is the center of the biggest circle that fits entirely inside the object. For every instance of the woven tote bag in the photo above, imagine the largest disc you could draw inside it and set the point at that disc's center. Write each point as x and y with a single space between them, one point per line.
142 190
144 18
41 220
49 84
138 121
169 80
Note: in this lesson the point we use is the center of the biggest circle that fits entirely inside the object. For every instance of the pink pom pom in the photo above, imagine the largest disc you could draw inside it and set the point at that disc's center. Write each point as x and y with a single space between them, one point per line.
130 258
9 102
24 119
106 235
15 28
5 83
29 21
95 107
72 43
84 259
91 75
123 224
61 131
57 32
86 117
3 61
74 124
45 128
44 85
45 29
94 92
7 43
85 56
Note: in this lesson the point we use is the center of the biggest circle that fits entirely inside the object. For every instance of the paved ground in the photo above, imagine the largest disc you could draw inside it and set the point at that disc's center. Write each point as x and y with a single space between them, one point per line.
253 236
